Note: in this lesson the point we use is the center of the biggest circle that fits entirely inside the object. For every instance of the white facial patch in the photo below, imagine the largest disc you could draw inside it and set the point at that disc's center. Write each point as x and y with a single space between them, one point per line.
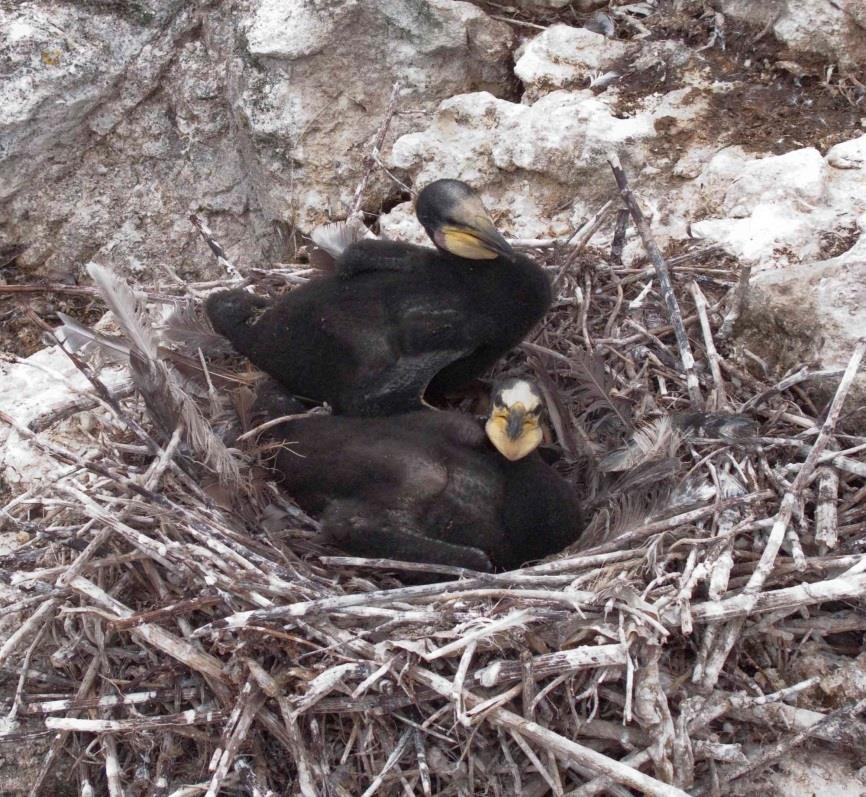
522 392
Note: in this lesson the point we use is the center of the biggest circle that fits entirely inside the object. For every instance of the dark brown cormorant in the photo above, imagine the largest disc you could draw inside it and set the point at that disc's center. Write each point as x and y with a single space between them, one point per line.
395 317
428 486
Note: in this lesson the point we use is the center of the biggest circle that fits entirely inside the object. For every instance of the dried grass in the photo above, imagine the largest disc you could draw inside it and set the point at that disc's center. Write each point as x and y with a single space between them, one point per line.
179 637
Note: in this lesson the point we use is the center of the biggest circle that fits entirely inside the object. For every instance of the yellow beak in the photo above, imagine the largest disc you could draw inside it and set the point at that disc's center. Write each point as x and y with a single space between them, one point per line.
472 233
513 432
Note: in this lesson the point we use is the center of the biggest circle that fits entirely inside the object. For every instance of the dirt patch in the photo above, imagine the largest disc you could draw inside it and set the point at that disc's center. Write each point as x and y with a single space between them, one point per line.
18 334
778 100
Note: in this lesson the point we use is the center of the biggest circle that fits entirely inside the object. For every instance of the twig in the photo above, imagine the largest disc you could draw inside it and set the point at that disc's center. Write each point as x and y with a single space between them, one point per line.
573 660
199 716
395 756
664 278
792 498
581 238
214 246
565 749
370 160
719 401
738 302
238 725
616 247
769 755
826 520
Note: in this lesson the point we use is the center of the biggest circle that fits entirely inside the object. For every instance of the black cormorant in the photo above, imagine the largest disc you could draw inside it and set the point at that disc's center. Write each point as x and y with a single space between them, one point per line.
369 339
428 486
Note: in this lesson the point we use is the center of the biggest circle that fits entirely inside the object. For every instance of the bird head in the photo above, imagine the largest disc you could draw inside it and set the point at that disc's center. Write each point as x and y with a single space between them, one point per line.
514 425
456 220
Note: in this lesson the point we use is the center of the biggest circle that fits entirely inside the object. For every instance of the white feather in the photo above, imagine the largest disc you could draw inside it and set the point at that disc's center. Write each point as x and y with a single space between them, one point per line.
78 337
652 441
125 306
523 392
336 236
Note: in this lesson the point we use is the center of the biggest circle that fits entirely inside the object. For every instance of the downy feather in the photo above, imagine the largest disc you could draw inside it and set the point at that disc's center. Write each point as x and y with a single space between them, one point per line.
83 340
189 330
336 236
651 441
166 401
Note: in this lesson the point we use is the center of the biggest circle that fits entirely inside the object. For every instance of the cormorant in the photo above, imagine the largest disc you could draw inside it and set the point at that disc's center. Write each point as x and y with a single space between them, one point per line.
371 338
428 486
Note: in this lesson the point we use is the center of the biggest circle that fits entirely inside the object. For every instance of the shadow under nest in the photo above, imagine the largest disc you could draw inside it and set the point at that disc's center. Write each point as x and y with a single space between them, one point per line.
183 632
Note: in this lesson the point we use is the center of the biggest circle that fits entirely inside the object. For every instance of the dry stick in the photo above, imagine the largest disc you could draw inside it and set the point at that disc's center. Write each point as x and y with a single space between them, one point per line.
109 701
728 636
737 305
769 756
395 756
851 735
572 660
59 739
215 247
844 587
826 519
268 685
455 589
618 243
664 278
371 159
720 399
519 617
649 529
565 749
163 640
581 238
423 766
238 725
112 766
35 620
536 763
788 382
718 709
194 716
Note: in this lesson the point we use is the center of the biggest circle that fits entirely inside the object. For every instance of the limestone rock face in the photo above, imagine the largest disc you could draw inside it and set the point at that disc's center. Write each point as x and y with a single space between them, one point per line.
830 293
781 213
313 86
115 127
526 159
119 119
780 209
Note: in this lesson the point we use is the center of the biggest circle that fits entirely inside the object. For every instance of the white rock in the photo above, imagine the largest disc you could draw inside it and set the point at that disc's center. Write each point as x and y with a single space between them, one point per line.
400 224
527 160
51 81
848 154
44 382
830 774
777 210
769 235
797 178
565 57
831 292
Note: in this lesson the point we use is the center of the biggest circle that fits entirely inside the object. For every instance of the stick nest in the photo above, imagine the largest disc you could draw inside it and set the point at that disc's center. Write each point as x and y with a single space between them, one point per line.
178 634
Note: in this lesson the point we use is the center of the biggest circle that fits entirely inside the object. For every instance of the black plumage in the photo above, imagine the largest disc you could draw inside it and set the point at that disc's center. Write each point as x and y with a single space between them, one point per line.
426 486
395 317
